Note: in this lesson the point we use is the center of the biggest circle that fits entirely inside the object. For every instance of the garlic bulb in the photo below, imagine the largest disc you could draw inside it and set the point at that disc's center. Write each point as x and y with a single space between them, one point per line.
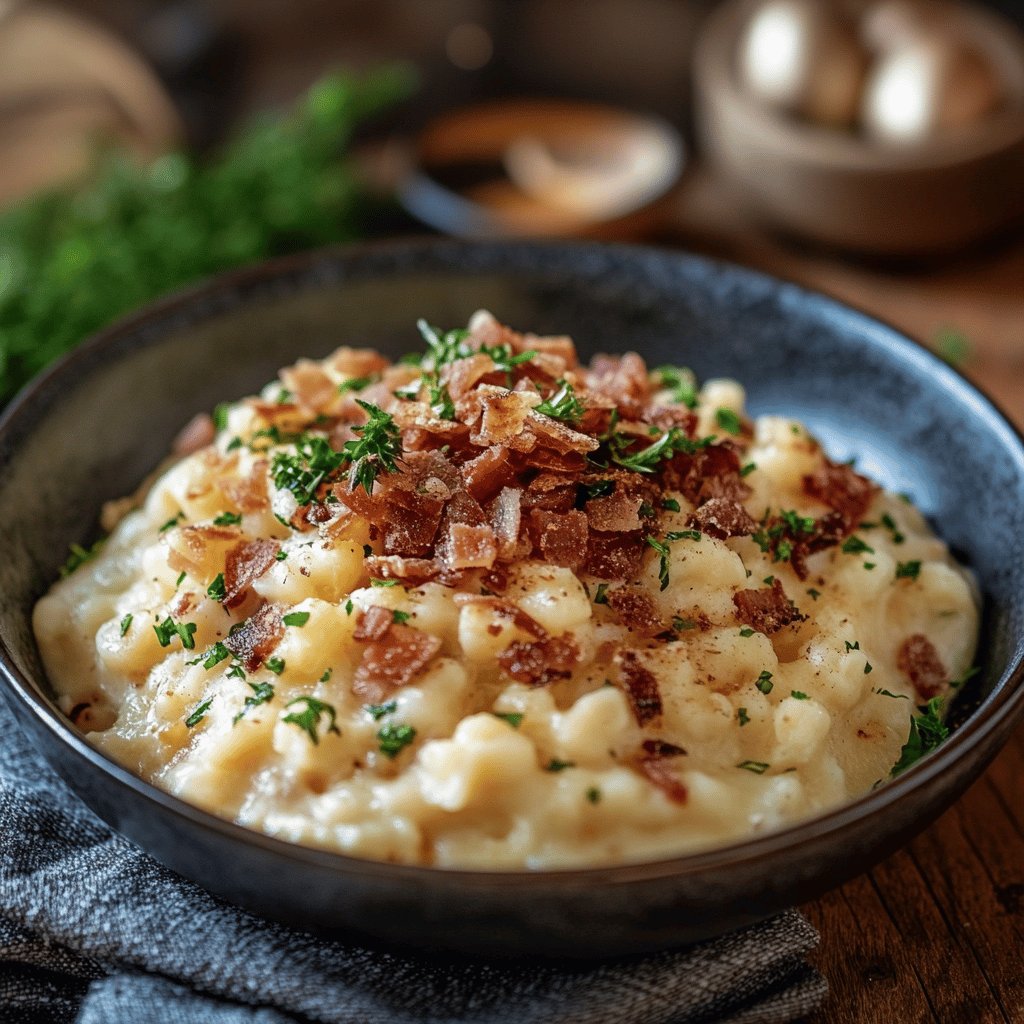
933 85
802 57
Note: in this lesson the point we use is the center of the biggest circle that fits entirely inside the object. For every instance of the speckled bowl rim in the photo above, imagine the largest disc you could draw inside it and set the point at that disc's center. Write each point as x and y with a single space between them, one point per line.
198 303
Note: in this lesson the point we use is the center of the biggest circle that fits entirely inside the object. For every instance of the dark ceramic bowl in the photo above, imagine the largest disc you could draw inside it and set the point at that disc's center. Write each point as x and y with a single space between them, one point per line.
92 427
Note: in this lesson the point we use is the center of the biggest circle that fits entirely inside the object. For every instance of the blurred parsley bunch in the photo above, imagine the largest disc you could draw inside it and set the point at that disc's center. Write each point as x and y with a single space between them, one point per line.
73 260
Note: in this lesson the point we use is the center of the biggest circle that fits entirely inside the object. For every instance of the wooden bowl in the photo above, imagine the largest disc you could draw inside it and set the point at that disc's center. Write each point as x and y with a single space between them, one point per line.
837 187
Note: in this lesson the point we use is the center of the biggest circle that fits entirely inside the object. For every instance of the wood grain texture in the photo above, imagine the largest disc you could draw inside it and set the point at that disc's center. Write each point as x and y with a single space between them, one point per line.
936 932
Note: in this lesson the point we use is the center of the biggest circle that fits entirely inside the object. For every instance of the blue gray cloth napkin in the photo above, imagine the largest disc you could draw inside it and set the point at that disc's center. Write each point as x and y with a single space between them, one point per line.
95 931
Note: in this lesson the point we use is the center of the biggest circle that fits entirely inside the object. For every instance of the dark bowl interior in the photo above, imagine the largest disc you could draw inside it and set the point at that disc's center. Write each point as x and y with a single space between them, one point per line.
93 426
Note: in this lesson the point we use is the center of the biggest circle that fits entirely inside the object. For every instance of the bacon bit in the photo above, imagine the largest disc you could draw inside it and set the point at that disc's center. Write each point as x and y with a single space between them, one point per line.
557 345
713 472
622 380
618 512
918 659
77 710
410 533
506 610
246 563
373 623
722 518
666 417
547 460
356 362
248 493
506 518
662 748
562 539
309 384
189 545
636 610
197 433
488 473
471 547
499 417
552 433
641 687
461 376
842 489
184 604
767 609
550 491
662 776
256 637
410 570
393 661
541 662
614 556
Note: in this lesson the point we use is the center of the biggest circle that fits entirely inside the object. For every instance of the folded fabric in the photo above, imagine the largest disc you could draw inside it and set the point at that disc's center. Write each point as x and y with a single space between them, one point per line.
94 930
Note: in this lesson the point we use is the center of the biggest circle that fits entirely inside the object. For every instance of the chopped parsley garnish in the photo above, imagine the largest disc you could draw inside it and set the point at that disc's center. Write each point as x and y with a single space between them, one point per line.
172 522
79 556
393 739
670 504
747 469
855 646
601 597
185 631
302 473
927 731
378 711
646 510
889 693
308 719
554 765
646 460
280 556
220 415
867 668
216 590
890 524
261 694
198 713
354 384
855 546
728 421
869 565
296 618
594 795
514 718
399 617
227 519
682 383
747 631
349 606
757 767
764 682
383 583
236 671
563 404
955 684
798 695
126 623
328 672
276 665
441 403
742 716
598 489
908 570
662 547
815 594
181 579
679 625
214 656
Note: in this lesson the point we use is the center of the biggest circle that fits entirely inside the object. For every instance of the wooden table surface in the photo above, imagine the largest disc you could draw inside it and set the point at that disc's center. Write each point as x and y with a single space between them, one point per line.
936 932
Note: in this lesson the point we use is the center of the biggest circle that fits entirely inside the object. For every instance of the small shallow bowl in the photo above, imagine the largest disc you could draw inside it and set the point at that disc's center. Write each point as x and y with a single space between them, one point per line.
94 425
542 168
837 188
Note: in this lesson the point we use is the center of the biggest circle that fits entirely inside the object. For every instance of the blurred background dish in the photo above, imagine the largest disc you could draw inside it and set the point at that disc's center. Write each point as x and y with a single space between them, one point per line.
914 148
543 167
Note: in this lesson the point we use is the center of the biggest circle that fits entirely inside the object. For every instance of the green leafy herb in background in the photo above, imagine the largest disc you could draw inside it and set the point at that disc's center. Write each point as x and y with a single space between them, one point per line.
71 261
